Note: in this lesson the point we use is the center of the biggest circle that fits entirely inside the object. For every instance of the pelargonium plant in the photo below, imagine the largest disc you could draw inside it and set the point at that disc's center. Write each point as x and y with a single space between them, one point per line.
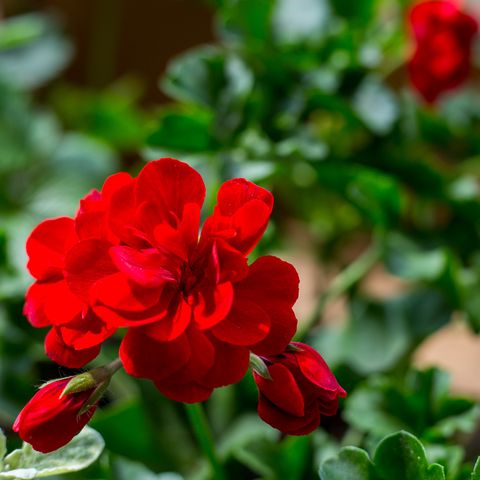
196 313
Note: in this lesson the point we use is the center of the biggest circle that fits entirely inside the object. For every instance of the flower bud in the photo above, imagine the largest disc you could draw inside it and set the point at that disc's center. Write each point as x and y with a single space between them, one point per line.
51 419
302 389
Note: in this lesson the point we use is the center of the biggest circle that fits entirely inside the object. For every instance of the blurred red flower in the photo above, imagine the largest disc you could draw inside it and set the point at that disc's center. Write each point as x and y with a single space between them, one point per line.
49 421
443 54
302 388
133 258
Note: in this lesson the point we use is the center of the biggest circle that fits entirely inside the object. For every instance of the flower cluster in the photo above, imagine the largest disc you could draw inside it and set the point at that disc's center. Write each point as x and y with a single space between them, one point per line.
195 310
444 36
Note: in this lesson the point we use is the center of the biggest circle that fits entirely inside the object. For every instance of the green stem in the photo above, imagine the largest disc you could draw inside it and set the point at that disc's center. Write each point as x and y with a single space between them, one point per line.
201 428
345 280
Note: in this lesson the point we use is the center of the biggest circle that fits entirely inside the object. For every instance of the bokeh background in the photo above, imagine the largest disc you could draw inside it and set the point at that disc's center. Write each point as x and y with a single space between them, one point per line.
376 191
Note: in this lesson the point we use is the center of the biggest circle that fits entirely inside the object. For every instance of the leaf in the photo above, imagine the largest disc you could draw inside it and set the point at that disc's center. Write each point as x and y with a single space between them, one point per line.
128 470
3 448
352 463
401 456
183 130
82 451
376 105
37 51
300 21
476 470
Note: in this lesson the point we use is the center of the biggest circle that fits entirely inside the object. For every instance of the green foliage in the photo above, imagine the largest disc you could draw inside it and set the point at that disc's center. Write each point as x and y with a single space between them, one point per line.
26 463
399 456
421 404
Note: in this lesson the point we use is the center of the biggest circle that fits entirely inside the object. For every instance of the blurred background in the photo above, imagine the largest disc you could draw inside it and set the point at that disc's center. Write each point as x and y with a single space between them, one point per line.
371 146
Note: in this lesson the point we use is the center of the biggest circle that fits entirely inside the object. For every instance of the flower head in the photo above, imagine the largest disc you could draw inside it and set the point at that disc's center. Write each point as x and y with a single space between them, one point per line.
50 420
444 37
133 258
301 389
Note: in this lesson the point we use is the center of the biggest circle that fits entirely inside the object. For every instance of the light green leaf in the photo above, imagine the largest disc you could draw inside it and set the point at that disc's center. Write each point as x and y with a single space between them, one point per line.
476 470
82 451
352 463
126 470
3 448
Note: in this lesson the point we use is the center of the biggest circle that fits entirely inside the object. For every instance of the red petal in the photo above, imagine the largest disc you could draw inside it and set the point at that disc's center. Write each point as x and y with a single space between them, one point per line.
190 392
273 285
169 185
85 263
315 369
241 215
119 293
51 303
174 323
230 364
86 332
246 324
148 267
212 305
47 245
282 390
145 357
67 356
288 424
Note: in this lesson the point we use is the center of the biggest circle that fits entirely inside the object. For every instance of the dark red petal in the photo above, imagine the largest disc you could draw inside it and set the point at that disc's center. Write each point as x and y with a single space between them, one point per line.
288 424
169 185
246 324
230 364
282 329
51 303
148 268
186 392
315 369
49 421
273 285
145 357
213 303
282 390
67 356
85 263
47 245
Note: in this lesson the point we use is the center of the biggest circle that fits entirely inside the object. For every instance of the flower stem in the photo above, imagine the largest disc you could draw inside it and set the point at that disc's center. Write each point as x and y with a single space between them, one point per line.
203 434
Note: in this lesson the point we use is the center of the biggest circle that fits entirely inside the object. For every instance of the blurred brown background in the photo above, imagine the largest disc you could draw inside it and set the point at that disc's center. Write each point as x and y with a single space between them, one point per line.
117 37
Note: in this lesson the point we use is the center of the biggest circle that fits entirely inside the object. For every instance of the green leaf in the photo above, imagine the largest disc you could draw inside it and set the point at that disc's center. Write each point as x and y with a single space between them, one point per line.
3 448
401 456
476 470
127 470
300 21
420 403
183 130
82 451
40 51
352 463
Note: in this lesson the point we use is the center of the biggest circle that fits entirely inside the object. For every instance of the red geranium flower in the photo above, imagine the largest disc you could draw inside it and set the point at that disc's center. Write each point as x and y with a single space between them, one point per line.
444 38
302 388
49 421
132 258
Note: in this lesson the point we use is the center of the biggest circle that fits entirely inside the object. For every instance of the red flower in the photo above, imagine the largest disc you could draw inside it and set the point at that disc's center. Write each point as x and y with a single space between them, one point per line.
444 38
133 258
49 421
301 389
